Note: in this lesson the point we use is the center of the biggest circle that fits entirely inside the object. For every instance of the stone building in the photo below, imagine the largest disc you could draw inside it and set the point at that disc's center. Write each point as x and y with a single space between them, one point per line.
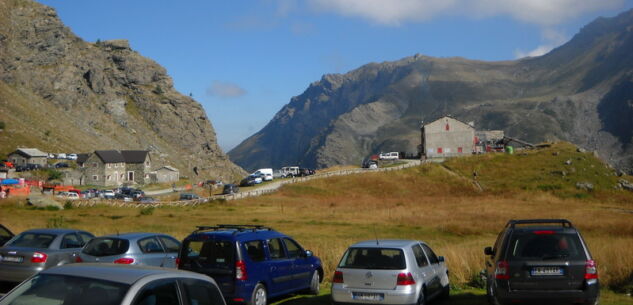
165 174
105 168
447 137
24 156
138 164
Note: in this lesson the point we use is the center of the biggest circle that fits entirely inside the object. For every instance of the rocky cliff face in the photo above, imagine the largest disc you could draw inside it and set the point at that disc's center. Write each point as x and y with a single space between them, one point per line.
580 92
61 94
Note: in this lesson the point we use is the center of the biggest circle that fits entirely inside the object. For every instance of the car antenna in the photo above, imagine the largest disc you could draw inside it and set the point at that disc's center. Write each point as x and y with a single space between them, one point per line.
376 236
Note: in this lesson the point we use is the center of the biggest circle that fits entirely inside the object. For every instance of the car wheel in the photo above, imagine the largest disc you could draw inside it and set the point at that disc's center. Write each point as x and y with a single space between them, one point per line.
315 286
259 295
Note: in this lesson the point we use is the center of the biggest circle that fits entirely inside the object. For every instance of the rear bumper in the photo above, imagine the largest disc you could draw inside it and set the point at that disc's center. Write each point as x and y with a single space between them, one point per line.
17 273
344 295
589 295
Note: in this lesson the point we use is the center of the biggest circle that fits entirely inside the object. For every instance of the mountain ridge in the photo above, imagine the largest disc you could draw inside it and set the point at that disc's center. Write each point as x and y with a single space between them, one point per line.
379 106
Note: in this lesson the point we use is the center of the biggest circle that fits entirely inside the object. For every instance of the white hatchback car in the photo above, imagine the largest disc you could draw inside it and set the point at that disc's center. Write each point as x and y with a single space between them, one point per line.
390 272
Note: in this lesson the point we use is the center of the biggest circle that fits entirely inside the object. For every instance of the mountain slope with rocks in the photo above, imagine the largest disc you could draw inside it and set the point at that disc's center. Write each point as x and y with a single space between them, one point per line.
579 92
62 94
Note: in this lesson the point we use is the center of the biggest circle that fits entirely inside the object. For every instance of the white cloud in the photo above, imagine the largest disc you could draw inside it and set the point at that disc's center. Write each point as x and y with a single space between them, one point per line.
551 39
223 89
395 12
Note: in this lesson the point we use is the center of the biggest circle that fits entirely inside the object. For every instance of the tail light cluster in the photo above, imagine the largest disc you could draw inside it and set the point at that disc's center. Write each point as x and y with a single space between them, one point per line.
405 279
39 257
591 270
240 271
124 261
338 277
502 272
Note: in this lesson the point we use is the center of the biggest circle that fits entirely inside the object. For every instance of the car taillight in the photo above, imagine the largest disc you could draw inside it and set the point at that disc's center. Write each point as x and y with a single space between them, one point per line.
502 272
405 279
591 270
178 262
78 259
240 271
39 257
124 261
338 277
543 232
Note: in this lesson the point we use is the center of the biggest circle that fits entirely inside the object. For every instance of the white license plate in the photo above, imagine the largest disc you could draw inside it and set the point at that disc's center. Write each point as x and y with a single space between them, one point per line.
12 259
547 271
362 296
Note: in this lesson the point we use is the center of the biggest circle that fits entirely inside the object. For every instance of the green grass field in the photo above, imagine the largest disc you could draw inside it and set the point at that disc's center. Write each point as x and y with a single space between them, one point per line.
437 203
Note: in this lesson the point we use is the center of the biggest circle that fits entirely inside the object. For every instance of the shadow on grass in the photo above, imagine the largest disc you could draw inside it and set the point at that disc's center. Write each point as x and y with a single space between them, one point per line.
464 298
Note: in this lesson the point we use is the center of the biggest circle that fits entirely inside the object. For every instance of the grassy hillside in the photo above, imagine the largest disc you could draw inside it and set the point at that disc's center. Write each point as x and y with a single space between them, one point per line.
437 203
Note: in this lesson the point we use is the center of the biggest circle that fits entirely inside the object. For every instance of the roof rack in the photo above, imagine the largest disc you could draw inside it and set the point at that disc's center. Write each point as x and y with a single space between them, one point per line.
563 222
237 228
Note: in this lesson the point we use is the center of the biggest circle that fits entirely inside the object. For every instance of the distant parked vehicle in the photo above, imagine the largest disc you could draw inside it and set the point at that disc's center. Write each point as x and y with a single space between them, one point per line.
248 181
5 235
306 172
35 250
100 284
107 194
289 171
389 156
61 165
188 196
149 249
370 164
124 197
390 272
230 189
266 173
71 157
147 200
60 156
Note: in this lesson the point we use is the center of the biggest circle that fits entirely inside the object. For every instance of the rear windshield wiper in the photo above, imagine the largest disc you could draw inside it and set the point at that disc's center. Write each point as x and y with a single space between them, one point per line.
554 256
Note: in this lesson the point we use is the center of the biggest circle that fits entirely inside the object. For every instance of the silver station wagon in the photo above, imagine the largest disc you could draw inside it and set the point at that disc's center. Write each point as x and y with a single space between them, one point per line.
151 249
390 272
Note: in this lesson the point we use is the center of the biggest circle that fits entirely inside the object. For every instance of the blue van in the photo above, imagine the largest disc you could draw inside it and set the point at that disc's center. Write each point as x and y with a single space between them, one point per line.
251 263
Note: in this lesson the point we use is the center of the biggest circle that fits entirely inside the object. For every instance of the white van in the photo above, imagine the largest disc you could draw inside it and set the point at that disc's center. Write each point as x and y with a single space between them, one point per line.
389 156
266 173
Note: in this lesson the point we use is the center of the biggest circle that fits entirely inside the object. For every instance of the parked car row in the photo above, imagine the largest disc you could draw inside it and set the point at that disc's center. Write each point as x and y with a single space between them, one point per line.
63 156
532 261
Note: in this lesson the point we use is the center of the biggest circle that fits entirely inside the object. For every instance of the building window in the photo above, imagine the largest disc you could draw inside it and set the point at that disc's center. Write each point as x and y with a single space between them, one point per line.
146 163
95 164
109 165
439 150
146 176
95 177
109 178
459 150
448 127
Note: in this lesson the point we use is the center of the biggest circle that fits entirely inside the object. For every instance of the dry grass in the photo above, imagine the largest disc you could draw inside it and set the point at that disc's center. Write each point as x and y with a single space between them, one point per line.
426 203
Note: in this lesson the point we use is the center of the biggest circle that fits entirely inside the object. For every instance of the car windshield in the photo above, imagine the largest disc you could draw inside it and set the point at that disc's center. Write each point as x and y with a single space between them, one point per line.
105 246
33 240
373 258
218 253
67 290
545 244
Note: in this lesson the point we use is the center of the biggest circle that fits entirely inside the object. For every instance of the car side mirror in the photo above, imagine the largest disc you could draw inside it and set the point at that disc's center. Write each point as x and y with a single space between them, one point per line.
307 253
441 259
489 251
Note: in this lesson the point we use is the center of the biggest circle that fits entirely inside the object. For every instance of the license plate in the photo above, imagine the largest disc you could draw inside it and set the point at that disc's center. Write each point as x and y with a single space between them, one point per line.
12 259
362 296
547 271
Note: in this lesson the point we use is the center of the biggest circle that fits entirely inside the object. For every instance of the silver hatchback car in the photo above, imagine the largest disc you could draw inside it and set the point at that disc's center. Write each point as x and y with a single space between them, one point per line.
151 249
390 272
35 250
109 284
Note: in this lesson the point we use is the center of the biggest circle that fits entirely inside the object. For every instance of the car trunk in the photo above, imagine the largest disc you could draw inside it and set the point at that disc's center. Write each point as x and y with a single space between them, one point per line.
215 258
372 268
104 250
546 260
21 256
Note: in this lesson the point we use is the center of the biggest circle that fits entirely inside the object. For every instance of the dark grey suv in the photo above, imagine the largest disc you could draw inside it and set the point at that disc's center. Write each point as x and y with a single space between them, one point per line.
541 261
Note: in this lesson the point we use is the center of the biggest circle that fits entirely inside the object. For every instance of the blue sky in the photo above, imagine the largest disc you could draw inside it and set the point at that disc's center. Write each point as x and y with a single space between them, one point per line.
243 60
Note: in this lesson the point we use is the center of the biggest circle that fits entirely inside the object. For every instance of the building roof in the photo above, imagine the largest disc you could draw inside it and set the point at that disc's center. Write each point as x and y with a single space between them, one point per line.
449 117
82 158
167 167
134 156
110 156
30 152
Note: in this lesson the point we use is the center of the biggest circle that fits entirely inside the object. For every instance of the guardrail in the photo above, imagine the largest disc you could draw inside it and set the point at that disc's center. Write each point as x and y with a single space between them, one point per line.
241 195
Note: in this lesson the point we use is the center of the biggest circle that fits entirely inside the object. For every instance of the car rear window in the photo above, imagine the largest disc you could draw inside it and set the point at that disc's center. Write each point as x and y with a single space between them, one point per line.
209 252
373 258
545 244
105 246
33 240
